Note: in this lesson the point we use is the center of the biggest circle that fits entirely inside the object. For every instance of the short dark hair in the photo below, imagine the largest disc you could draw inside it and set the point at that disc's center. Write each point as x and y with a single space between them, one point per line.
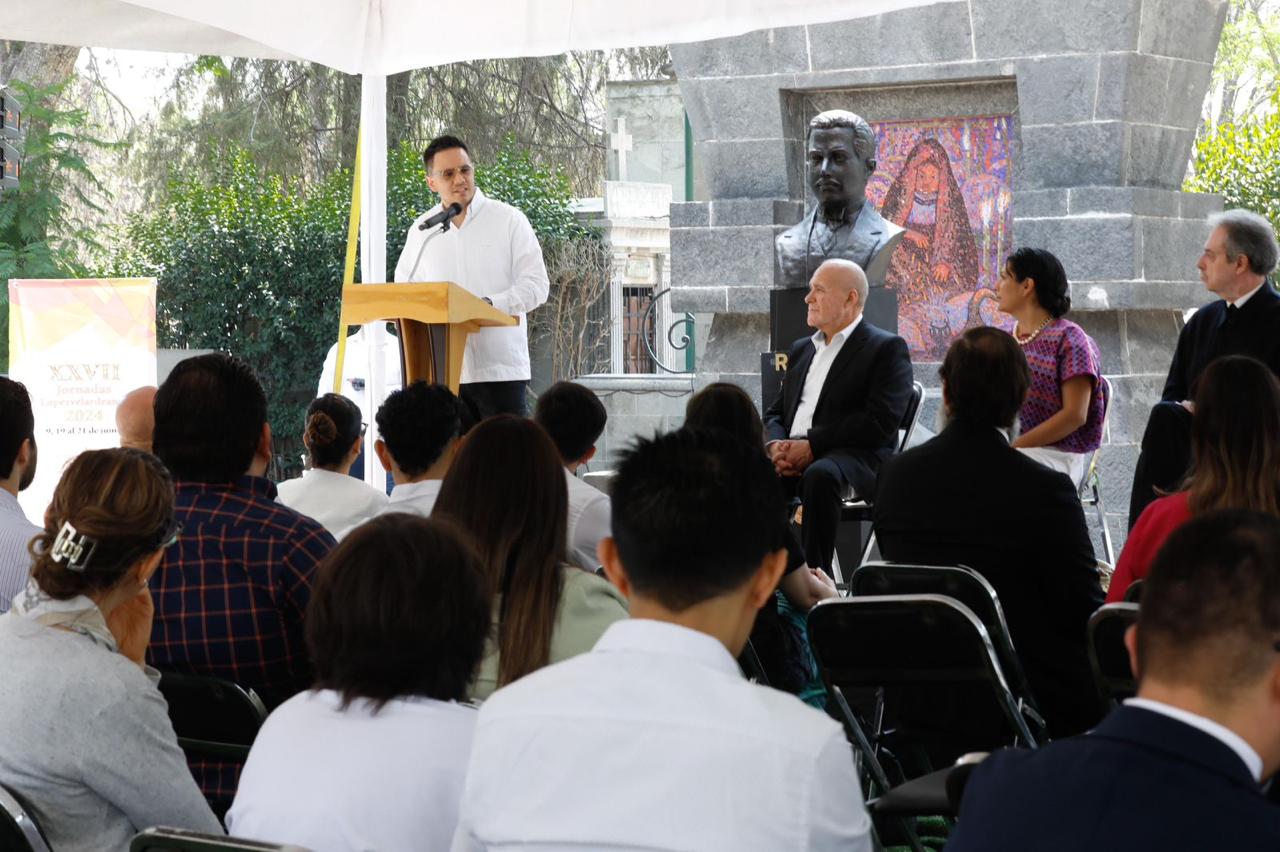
417 423
573 416
400 607
694 514
723 405
333 425
17 424
985 377
1052 290
209 417
441 143
1251 235
1210 611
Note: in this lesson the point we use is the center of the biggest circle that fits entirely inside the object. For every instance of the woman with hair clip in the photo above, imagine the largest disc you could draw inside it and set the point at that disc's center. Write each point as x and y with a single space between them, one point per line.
85 735
1235 461
1061 419
506 489
325 491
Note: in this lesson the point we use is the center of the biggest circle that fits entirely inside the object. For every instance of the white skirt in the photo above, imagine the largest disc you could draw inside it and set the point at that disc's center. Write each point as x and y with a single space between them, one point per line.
1074 465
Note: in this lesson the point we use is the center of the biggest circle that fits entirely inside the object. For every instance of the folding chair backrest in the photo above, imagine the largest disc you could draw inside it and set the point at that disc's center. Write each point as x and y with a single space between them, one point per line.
19 831
911 416
161 839
1107 654
212 717
1133 594
924 651
954 581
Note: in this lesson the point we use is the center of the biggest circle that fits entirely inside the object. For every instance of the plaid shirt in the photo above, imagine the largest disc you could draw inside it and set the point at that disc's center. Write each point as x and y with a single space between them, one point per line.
231 593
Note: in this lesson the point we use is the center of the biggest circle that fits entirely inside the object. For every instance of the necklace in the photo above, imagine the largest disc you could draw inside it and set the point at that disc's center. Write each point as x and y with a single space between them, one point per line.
1023 341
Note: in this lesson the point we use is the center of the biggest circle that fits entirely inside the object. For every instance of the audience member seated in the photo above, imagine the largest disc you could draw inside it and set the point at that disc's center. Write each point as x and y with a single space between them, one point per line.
135 418
1061 419
325 491
418 429
376 755
1178 768
574 418
231 594
842 400
18 461
780 642
1239 254
1235 451
966 497
654 740
507 489
84 732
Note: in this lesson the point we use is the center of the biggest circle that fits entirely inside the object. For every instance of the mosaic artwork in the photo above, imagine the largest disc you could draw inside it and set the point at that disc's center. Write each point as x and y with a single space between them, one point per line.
947 181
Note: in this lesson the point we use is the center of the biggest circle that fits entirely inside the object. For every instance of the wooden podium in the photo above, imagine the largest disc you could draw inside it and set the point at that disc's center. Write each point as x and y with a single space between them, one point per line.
433 320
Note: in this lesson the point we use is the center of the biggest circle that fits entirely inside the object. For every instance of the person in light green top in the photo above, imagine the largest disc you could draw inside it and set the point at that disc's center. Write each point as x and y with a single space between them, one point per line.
506 487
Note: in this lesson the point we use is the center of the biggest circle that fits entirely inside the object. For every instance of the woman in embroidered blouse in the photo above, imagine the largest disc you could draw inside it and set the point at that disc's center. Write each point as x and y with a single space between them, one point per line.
1061 419
85 735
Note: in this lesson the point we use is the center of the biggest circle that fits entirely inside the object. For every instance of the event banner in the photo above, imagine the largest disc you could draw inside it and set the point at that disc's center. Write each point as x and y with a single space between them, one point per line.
79 346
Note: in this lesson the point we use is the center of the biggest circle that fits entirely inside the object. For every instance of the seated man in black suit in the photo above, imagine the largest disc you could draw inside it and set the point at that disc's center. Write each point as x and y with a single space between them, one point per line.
967 497
1240 252
1178 767
842 400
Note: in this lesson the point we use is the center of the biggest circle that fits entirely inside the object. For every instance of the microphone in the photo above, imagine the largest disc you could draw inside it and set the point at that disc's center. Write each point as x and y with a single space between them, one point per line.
442 217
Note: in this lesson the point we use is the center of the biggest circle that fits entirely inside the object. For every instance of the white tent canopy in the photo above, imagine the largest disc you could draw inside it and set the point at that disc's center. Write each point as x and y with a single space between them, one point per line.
375 38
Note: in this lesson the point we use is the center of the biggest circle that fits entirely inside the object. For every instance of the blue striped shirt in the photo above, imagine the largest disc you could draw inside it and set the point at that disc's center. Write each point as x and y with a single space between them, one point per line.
15 560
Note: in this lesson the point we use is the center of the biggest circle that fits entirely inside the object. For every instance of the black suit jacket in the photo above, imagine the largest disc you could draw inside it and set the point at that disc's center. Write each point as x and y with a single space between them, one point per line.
1141 781
861 404
1254 330
967 498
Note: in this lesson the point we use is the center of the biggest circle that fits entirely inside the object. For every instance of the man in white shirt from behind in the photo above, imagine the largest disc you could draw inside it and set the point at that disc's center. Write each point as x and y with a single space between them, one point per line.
418 429
654 740
574 417
18 469
490 249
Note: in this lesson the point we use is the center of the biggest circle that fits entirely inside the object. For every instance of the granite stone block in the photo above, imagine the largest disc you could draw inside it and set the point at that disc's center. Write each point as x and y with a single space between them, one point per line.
1150 338
690 214
1200 205
963 71
696 299
1170 248
1185 29
1073 155
735 343
898 103
1141 201
1157 156
1057 89
696 108
1039 203
744 107
1133 87
756 168
1009 28
748 300
1104 328
1115 471
1188 81
1132 397
742 211
1090 247
924 34
721 257
773 51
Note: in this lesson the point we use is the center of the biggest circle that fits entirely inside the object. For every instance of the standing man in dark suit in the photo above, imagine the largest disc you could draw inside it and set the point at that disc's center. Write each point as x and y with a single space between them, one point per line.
1179 767
842 400
1240 252
967 497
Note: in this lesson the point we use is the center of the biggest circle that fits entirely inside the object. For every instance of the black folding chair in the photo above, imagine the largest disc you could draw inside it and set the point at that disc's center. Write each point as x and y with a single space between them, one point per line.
914 652
751 665
161 839
19 831
1108 656
1133 594
969 588
213 718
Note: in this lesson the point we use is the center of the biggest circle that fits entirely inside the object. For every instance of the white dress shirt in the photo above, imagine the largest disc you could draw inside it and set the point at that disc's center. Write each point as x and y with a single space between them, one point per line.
823 357
16 533
1222 733
654 741
1239 303
495 255
335 780
355 365
416 498
339 502
589 521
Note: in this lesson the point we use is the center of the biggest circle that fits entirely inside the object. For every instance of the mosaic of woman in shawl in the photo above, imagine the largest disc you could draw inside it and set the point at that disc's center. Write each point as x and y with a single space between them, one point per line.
935 268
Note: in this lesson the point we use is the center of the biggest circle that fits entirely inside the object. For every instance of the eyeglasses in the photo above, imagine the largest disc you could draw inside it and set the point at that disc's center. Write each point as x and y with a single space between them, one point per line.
450 174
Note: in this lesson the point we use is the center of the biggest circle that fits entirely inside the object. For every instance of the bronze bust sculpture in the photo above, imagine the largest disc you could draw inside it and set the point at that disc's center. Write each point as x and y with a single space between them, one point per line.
840 152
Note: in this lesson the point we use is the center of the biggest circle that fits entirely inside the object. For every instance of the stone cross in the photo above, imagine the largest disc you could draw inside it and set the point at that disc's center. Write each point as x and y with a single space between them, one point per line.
620 141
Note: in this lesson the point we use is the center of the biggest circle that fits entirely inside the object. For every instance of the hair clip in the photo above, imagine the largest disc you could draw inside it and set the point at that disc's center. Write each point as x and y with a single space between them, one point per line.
75 548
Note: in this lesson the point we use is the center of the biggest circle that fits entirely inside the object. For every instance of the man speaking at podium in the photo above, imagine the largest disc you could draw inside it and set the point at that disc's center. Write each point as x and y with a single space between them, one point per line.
489 249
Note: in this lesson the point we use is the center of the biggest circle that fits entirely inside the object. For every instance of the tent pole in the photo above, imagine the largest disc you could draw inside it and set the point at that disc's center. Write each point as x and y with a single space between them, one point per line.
373 246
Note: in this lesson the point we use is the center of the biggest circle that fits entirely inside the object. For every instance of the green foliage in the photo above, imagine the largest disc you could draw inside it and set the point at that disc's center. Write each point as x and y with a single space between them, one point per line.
1241 161
253 265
